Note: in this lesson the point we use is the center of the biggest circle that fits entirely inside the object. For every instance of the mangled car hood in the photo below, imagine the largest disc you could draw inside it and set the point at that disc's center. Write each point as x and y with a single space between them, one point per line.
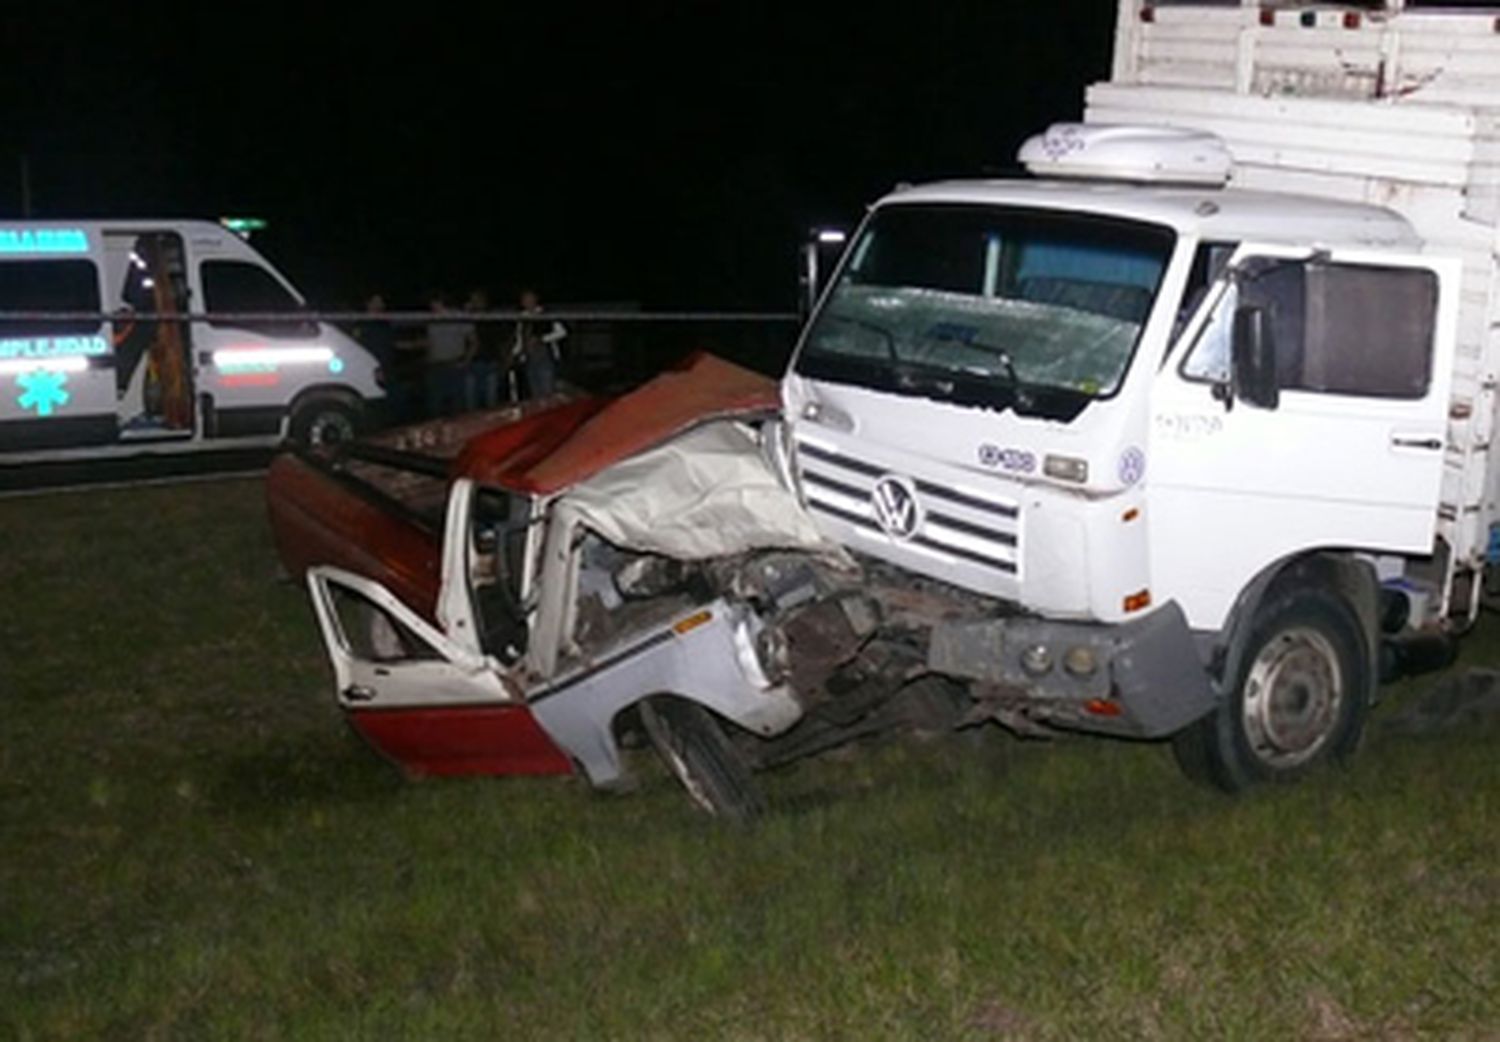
706 493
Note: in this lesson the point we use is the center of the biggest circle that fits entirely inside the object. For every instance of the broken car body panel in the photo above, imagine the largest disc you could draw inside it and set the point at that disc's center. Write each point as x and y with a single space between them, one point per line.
508 633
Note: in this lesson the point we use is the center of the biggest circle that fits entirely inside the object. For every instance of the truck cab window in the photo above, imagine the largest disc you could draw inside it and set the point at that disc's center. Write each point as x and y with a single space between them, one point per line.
1209 262
1338 328
239 286
999 306
1369 331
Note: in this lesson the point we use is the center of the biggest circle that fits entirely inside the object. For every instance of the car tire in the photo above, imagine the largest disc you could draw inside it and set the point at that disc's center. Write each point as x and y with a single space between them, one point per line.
324 421
699 755
1298 698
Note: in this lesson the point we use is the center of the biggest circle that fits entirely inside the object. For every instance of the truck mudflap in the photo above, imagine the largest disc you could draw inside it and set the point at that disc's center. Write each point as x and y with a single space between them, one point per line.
1140 679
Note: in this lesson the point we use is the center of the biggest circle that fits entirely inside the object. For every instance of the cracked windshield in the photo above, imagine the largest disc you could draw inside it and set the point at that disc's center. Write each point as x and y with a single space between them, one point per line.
1025 309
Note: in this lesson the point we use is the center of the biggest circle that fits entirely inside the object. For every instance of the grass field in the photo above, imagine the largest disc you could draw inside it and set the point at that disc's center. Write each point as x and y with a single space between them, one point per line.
193 846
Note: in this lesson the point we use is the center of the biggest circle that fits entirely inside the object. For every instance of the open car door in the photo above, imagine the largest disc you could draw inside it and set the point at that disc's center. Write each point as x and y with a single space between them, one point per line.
386 656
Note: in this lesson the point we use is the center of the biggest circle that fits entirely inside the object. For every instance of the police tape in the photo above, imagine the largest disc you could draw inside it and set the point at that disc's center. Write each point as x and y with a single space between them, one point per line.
401 318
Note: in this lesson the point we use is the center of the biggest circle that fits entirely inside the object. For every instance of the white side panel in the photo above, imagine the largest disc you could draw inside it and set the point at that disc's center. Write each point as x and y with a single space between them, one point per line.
1428 144
1410 56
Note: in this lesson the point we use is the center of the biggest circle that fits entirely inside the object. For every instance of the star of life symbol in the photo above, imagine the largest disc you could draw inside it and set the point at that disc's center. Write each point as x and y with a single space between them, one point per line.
895 503
43 390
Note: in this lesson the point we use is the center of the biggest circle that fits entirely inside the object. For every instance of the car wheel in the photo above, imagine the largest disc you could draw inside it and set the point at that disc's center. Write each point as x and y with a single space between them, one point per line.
324 421
1298 699
698 753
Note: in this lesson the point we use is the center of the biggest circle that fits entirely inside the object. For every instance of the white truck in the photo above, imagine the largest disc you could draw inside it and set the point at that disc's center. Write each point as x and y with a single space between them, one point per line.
1190 435
146 380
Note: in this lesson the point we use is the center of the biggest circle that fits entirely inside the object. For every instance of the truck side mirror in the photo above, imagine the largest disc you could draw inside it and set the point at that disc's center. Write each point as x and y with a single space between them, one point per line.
807 281
820 246
1253 358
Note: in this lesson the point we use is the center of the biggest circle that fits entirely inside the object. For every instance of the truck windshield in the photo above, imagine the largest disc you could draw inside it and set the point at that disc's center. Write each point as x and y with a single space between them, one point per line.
1033 310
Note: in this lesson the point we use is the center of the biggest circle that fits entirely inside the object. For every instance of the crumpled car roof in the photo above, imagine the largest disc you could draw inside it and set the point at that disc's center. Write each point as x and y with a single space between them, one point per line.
706 493
552 450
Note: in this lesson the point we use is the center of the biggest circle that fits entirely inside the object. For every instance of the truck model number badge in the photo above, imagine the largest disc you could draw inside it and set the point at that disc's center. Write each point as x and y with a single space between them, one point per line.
895 503
1017 461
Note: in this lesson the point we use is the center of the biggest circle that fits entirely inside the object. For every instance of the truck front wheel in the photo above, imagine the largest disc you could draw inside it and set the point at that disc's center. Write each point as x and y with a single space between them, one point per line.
698 753
1298 699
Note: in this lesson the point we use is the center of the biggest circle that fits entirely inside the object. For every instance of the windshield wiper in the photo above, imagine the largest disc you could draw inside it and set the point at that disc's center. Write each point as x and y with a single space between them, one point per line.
881 331
947 332
1025 397
956 385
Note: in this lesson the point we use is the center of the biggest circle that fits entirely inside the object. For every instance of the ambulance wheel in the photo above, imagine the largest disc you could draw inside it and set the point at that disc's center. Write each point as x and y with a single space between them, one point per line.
698 753
324 421
1298 699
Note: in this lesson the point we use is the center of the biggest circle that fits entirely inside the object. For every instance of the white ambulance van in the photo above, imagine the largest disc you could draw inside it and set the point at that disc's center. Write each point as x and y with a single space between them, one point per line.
137 381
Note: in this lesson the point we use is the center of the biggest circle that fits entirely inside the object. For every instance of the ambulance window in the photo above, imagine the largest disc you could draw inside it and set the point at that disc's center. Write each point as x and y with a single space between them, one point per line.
238 286
49 285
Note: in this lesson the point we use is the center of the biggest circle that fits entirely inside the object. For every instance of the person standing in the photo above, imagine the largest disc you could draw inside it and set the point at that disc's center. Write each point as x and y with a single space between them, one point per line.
379 338
447 352
538 346
487 352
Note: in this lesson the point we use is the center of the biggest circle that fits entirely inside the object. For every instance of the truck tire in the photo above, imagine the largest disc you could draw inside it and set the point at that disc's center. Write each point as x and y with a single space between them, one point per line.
1298 698
698 753
324 421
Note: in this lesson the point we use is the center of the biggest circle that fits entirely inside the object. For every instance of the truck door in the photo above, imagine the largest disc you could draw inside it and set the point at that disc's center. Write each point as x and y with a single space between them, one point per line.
146 273
1350 453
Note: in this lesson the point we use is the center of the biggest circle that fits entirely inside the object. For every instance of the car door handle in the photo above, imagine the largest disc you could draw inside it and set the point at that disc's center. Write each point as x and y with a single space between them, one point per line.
1408 441
359 693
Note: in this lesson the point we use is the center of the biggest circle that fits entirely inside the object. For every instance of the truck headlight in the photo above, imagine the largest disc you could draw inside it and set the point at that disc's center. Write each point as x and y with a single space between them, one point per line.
1066 468
1036 659
1081 661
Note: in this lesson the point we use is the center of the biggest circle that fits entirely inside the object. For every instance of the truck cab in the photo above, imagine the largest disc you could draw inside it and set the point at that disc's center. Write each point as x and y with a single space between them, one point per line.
1172 446
1022 352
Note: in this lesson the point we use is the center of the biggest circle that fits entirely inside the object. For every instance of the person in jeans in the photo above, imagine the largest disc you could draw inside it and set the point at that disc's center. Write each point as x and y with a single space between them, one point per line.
448 345
379 338
538 346
487 353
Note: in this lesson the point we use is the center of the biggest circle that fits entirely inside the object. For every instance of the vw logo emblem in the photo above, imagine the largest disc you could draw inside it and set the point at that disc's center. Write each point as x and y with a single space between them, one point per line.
895 503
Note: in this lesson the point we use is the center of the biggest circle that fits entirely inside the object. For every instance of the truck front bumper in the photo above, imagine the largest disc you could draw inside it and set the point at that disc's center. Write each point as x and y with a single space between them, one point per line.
1139 679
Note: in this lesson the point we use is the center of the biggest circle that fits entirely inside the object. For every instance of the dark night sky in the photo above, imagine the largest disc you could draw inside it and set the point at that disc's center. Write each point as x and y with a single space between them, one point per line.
671 153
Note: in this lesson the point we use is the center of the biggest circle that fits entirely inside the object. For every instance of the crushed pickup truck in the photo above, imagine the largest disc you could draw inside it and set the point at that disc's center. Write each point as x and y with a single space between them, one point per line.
510 592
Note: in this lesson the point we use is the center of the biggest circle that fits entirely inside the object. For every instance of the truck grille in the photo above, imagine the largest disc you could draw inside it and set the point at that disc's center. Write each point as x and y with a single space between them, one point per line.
977 529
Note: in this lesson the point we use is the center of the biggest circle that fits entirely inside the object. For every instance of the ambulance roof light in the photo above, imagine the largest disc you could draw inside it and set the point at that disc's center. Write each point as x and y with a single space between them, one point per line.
243 226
